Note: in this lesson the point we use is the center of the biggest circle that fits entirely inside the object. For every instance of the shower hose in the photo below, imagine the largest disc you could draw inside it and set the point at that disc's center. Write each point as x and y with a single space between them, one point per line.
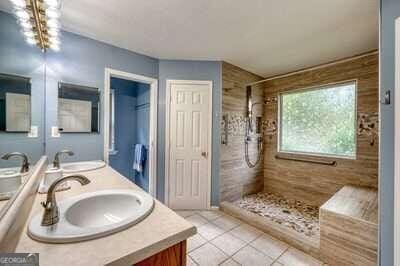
260 147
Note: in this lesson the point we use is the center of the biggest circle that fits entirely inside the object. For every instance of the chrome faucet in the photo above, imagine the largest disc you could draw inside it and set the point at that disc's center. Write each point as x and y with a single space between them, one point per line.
56 162
25 161
51 213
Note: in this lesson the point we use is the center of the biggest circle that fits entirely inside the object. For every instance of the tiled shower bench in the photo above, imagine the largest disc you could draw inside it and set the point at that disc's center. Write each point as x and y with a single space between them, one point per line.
349 227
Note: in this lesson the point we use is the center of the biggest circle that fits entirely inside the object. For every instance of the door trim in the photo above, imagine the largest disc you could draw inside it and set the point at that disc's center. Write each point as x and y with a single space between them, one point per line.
109 73
167 137
397 146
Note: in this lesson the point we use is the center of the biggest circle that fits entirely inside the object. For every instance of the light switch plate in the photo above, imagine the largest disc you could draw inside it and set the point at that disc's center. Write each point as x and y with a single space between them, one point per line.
33 133
54 132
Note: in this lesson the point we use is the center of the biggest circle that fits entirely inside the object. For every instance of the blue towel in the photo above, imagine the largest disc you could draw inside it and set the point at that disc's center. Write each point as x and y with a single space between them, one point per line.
139 157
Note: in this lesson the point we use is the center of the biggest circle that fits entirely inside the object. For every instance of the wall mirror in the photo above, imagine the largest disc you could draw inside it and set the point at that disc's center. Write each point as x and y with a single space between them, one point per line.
78 108
22 93
15 103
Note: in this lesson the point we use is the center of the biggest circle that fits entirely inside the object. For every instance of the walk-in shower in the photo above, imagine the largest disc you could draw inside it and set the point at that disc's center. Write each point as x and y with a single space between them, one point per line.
253 130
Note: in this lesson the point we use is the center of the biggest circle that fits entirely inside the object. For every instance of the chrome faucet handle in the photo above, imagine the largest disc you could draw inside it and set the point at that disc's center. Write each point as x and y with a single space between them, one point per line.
51 213
25 161
56 161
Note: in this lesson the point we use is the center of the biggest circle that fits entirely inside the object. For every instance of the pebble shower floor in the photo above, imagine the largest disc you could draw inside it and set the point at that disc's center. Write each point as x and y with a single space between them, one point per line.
291 213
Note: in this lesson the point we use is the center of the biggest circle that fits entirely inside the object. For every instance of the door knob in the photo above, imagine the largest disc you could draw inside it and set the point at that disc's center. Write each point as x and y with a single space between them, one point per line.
204 154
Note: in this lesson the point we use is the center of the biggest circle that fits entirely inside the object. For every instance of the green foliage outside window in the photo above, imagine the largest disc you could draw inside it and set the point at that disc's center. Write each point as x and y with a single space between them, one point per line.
320 121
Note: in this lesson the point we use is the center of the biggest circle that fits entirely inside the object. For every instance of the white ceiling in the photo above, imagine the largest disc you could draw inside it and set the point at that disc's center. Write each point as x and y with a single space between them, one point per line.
266 37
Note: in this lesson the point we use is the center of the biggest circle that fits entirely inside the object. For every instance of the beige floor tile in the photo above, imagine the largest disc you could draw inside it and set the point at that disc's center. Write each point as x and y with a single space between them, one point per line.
208 255
294 257
196 220
276 263
194 242
190 262
249 256
209 231
185 214
246 232
226 222
230 262
210 215
228 243
269 246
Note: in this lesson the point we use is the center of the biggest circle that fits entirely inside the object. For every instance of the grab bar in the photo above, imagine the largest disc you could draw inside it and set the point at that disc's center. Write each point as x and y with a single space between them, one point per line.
330 163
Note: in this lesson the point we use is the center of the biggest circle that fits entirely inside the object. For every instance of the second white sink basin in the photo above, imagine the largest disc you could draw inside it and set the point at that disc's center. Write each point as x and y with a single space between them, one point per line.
93 215
82 166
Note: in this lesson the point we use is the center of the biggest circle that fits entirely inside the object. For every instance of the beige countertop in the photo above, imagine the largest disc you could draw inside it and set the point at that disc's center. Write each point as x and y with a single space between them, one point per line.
3 203
160 230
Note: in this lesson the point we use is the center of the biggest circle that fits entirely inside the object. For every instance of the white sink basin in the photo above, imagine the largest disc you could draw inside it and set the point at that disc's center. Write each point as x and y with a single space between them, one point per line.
93 215
10 181
7 172
82 166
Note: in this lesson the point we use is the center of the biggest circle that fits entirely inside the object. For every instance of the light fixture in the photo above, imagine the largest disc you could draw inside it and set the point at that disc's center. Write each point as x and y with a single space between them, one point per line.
19 3
39 22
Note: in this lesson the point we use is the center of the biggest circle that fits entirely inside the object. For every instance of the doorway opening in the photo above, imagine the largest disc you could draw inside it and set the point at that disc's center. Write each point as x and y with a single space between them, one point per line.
130 127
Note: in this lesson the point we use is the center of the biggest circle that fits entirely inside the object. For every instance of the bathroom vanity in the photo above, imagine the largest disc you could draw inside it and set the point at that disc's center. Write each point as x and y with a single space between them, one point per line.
160 237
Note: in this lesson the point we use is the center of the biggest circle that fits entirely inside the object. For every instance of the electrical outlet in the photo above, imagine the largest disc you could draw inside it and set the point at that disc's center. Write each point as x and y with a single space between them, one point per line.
55 132
33 133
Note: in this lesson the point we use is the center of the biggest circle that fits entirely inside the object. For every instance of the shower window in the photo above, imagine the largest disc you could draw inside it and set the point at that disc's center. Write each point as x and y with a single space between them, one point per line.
319 121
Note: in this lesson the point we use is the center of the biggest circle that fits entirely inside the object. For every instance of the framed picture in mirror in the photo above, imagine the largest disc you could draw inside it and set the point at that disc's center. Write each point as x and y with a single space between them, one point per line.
78 108
15 103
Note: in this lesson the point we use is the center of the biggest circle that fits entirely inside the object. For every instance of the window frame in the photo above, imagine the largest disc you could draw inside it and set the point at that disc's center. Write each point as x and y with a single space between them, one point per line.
312 88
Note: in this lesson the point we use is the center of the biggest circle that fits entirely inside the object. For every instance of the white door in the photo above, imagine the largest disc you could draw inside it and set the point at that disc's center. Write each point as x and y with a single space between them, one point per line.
74 115
189 144
18 112
397 147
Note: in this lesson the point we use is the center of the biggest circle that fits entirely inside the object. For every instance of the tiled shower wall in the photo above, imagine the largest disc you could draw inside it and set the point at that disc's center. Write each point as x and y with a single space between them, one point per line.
313 183
237 179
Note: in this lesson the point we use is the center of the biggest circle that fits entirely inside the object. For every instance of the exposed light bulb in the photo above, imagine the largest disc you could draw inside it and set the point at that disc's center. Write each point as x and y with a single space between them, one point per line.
22 15
19 3
55 47
26 25
31 41
52 13
54 40
52 23
29 34
52 3
53 32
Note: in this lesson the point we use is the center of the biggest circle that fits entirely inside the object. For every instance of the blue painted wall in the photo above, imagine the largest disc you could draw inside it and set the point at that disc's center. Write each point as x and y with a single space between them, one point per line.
125 130
142 127
132 120
390 10
19 58
190 70
82 61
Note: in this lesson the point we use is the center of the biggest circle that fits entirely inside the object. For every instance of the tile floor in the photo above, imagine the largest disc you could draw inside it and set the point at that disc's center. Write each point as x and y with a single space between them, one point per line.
224 240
